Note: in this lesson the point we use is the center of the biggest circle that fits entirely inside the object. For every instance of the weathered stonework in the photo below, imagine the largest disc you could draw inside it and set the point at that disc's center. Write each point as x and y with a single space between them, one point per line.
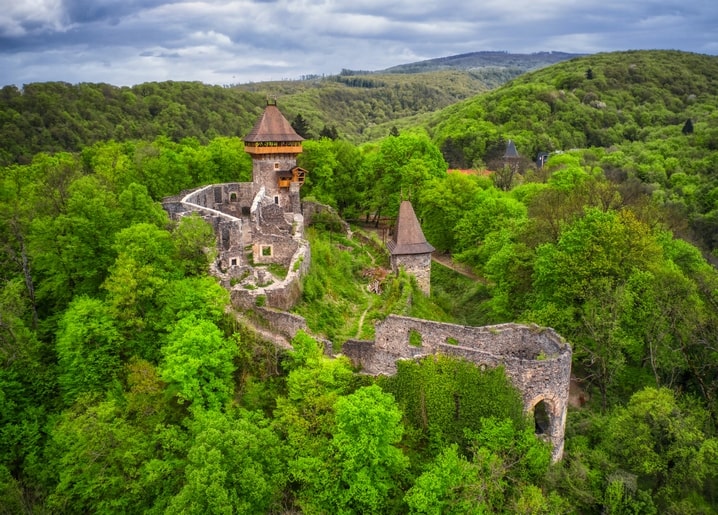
536 360
418 265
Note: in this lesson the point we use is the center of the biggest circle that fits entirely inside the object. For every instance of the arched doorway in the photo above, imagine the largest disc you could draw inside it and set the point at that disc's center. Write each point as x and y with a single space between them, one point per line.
542 420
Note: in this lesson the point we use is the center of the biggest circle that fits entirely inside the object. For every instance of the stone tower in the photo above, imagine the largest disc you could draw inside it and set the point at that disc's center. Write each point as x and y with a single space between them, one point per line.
274 146
409 248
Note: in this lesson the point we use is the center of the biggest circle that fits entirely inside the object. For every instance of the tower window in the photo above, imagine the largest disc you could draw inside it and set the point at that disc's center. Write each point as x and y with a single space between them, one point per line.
276 199
276 166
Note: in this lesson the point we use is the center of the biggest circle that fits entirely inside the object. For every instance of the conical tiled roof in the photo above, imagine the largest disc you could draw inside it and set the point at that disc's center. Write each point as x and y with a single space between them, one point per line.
272 126
408 237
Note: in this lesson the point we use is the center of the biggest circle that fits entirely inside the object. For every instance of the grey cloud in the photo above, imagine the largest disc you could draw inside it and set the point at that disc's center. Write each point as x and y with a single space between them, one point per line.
218 41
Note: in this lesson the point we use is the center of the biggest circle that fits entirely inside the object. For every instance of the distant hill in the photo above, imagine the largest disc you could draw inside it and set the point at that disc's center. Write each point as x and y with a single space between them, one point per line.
360 105
485 59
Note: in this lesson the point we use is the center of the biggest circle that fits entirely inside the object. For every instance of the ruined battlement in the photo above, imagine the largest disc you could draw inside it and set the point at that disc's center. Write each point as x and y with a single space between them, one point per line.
536 360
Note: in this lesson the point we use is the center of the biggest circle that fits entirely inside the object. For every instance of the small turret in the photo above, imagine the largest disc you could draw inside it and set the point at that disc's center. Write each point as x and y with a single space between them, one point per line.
409 248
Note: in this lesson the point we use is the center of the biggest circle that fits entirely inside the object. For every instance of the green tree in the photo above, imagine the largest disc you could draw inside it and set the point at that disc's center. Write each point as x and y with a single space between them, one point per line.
195 243
400 168
362 464
89 349
442 203
141 272
504 464
300 125
234 465
661 440
198 364
98 459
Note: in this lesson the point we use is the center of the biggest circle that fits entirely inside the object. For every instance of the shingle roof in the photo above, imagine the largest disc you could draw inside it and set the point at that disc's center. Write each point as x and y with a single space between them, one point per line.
272 126
408 237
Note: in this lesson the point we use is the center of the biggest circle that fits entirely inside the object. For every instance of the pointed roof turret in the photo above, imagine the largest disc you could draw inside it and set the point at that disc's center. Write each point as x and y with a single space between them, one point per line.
511 152
408 236
273 127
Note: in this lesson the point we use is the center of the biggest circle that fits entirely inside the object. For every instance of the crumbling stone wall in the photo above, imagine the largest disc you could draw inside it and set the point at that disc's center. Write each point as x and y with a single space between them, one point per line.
279 294
537 360
418 265
267 235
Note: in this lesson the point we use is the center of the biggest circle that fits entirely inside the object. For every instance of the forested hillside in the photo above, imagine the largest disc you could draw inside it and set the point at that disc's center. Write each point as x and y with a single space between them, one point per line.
648 116
57 116
129 385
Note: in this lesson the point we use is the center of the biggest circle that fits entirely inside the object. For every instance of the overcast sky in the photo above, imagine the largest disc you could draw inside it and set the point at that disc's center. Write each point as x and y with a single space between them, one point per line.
125 42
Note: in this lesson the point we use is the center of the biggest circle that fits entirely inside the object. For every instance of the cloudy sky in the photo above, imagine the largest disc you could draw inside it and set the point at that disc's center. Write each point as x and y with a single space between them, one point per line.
125 42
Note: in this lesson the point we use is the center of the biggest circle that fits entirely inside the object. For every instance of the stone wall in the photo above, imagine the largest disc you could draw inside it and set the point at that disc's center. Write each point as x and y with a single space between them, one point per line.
282 322
266 170
280 294
418 265
536 360
310 209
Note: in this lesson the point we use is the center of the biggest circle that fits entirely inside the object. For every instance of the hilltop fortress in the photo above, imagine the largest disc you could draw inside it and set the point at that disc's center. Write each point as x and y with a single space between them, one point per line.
262 256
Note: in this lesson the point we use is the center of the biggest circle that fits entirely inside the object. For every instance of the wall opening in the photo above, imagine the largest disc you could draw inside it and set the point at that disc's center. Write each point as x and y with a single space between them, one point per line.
233 262
542 421
266 250
233 197
276 166
276 199
415 338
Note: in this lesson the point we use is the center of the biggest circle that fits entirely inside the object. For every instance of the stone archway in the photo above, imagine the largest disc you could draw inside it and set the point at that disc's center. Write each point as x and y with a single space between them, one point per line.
542 419
549 417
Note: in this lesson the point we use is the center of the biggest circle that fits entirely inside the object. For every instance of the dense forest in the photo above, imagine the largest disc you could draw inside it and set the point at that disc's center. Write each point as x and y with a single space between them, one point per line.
58 116
129 385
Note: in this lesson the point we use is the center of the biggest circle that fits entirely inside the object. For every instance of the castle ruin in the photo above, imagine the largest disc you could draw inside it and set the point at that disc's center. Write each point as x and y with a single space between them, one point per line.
260 224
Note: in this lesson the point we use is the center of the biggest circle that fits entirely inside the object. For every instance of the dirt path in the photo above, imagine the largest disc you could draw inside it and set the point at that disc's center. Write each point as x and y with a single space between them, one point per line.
459 268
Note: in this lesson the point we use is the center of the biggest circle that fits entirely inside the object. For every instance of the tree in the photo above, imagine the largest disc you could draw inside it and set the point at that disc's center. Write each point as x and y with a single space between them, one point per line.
400 168
661 440
504 462
195 243
99 459
198 363
442 203
330 132
234 465
362 463
301 126
143 267
88 348
687 127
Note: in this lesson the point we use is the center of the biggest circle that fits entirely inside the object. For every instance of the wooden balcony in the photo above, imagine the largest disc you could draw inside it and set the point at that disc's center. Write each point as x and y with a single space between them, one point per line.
265 149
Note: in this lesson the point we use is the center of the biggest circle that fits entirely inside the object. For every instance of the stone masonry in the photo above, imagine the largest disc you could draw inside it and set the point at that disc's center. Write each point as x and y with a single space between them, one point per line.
536 360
